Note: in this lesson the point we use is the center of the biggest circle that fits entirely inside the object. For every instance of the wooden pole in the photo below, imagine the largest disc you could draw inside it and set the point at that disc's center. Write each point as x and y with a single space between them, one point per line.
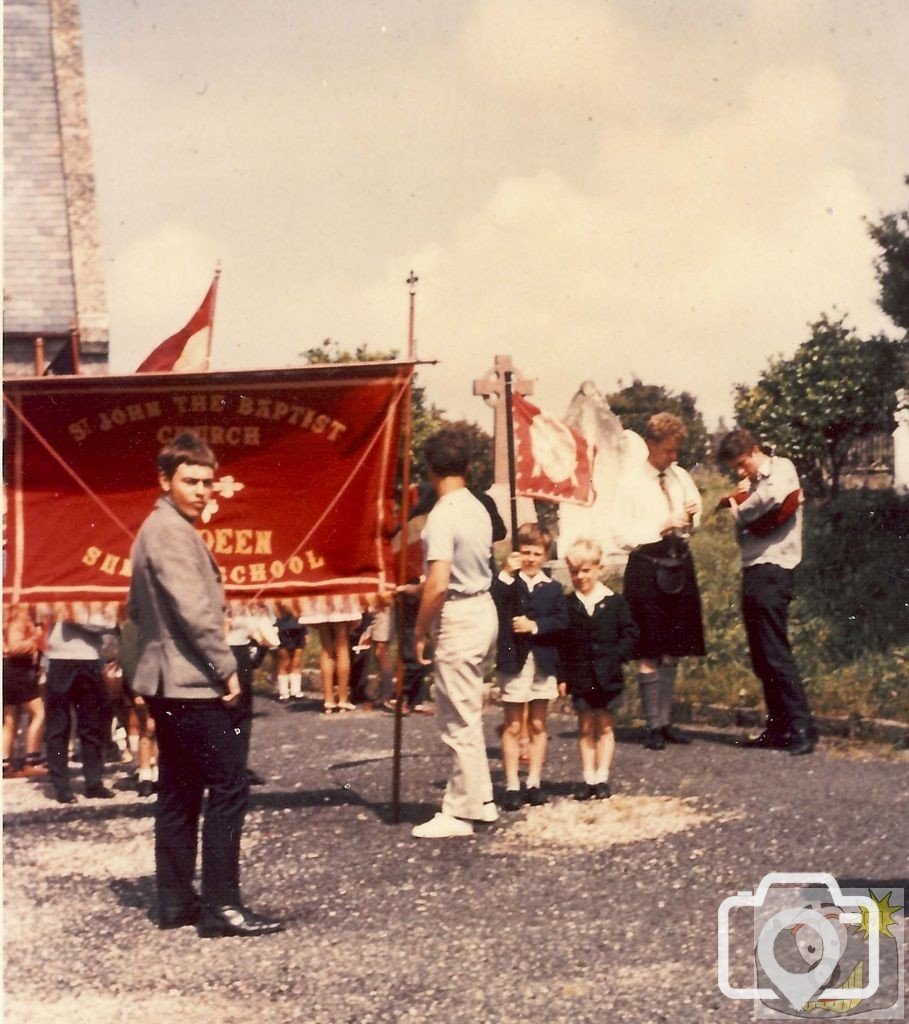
512 475
74 346
39 356
400 600
211 322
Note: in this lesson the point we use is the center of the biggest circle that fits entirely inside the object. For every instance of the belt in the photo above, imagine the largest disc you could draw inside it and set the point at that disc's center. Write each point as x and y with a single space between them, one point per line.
459 595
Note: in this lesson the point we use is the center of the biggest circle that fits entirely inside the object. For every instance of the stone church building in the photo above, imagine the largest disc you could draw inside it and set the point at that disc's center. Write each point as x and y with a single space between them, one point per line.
53 285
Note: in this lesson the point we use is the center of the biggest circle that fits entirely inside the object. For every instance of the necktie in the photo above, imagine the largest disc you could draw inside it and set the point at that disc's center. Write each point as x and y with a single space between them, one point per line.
665 489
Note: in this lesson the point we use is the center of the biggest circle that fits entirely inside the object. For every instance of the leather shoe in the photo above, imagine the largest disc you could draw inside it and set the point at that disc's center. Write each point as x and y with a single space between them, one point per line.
602 791
235 919
803 742
254 778
673 735
99 792
767 741
584 791
536 797
145 788
168 919
512 800
65 796
655 740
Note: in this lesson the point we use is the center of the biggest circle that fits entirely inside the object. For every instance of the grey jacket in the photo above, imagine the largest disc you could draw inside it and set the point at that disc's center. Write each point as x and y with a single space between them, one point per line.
177 602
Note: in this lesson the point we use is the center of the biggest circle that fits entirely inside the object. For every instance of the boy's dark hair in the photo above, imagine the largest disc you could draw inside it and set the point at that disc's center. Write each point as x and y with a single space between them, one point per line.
447 453
186 449
734 445
532 533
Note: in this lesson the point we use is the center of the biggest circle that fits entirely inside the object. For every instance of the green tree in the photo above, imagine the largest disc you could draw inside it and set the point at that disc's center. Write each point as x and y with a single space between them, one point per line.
427 420
814 406
635 404
892 267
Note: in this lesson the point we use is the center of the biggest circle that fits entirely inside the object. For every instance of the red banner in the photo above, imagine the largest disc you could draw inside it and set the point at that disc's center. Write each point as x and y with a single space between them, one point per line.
552 460
302 491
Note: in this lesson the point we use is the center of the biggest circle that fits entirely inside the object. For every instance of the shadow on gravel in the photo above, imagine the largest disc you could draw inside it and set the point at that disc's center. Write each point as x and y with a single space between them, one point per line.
875 883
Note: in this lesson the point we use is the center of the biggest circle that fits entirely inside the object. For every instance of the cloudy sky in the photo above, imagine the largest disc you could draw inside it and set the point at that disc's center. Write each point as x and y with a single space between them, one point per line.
603 189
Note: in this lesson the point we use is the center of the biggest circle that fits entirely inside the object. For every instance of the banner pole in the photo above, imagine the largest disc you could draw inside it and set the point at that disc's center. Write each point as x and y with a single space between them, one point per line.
211 319
400 604
512 481
39 356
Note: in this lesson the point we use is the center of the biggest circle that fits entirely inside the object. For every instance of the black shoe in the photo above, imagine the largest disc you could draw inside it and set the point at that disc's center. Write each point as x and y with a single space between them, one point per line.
803 742
536 797
768 741
584 791
179 918
254 778
235 919
655 740
145 788
99 792
673 735
65 796
512 800
602 791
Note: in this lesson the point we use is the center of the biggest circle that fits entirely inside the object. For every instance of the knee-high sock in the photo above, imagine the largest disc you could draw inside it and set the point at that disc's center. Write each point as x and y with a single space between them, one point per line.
649 685
667 672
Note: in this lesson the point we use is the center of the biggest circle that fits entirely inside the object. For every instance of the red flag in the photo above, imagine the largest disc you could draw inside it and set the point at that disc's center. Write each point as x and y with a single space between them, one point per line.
552 461
188 350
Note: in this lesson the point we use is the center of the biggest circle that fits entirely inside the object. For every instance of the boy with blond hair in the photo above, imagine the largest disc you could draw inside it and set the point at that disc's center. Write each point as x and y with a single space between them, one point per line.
601 635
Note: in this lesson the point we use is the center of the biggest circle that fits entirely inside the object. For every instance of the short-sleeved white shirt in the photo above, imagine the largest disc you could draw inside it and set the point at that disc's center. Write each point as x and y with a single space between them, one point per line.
459 530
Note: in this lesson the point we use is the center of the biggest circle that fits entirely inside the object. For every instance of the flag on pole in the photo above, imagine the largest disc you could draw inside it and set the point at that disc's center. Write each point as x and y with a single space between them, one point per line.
552 461
189 349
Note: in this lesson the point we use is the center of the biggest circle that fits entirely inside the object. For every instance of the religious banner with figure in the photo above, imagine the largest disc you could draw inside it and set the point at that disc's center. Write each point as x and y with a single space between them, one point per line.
552 461
303 490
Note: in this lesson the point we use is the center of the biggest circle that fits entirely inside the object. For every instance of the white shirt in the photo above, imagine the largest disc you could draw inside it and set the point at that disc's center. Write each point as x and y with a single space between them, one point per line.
591 600
642 507
776 479
458 530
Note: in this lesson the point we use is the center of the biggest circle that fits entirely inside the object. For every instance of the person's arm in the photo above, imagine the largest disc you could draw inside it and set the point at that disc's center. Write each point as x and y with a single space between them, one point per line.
435 590
21 638
188 598
627 630
553 617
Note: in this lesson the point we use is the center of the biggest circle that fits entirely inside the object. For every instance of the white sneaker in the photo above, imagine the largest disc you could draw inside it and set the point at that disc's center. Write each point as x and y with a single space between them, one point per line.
490 813
442 826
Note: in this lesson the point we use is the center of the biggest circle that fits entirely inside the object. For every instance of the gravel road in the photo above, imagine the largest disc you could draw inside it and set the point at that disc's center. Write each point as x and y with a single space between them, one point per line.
573 912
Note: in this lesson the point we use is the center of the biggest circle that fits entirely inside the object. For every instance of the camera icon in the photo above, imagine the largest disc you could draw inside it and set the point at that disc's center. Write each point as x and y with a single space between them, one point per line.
817 947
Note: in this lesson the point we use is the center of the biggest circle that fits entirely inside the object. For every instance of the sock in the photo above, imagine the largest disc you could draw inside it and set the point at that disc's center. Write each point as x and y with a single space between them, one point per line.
146 774
602 774
533 781
154 773
649 685
590 776
296 684
666 673
283 685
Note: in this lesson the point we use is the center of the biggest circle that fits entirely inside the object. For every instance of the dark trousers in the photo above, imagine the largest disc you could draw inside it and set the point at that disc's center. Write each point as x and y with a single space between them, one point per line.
198 749
249 657
766 595
414 672
75 685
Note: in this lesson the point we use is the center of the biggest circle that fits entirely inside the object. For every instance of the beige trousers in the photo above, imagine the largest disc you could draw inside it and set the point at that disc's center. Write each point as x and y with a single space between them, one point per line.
465 637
